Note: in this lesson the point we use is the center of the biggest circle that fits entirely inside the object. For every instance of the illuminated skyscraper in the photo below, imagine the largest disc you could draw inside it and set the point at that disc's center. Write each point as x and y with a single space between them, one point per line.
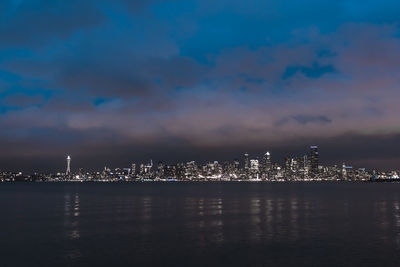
133 169
267 161
254 165
236 165
246 161
314 159
160 169
344 171
68 165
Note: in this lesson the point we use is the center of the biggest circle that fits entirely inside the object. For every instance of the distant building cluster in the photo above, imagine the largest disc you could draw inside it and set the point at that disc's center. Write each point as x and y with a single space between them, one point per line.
303 168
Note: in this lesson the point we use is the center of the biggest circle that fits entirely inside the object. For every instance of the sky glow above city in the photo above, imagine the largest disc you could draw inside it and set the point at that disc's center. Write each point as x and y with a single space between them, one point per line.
113 82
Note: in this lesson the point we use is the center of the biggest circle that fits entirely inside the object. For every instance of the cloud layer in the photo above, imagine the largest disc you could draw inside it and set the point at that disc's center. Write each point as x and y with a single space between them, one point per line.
112 82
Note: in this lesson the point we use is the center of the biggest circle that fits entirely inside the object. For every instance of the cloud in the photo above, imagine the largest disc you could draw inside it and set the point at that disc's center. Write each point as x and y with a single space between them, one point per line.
304 119
23 100
34 22
126 76
315 71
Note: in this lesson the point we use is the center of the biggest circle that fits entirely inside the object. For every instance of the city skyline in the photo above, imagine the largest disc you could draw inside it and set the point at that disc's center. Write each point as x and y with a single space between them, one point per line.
262 167
116 81
200 133
339 154
304 168
279 158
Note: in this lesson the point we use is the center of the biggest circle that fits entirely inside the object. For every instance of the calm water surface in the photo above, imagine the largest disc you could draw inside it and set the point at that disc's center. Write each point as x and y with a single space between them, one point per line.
199 224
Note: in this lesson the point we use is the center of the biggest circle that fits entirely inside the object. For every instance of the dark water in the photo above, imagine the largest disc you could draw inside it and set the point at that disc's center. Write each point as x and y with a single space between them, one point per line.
200 224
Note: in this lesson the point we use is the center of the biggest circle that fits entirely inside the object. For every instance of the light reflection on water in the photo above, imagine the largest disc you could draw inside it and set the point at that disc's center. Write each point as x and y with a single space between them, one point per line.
261 219
71 224
71 215
198 217
255 211
217 220
294 216
146 216
396 214
381 214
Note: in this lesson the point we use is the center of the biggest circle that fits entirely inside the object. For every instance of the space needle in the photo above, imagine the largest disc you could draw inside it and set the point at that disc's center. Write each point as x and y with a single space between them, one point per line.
68 165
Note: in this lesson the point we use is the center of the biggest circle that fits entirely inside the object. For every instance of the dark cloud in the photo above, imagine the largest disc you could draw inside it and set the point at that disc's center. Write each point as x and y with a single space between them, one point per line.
106 81
131 76
315 71
304 119
23 100
27 23
71 103
112 82
177 72
137 6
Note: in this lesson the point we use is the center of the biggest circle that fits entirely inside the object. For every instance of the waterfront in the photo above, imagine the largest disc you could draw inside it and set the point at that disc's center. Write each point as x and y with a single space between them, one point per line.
200 224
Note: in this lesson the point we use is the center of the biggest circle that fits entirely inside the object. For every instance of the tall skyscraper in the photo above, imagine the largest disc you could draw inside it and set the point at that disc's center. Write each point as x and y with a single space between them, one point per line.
314 159
254 165
236 164
267 161
288 164
160 169
344 171
246 161
68 165
133 169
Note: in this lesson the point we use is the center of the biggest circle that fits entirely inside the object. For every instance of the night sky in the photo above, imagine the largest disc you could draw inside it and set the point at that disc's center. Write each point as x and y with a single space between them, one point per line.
116 82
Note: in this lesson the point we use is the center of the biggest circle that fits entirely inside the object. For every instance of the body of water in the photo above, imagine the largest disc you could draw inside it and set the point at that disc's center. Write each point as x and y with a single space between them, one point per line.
200 224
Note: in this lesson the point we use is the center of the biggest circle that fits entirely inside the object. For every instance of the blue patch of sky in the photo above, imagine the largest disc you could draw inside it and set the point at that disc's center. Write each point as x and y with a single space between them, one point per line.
326 53
9 77
5 109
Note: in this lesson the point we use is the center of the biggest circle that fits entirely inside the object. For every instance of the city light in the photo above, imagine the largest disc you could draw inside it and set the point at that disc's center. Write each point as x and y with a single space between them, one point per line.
254 169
